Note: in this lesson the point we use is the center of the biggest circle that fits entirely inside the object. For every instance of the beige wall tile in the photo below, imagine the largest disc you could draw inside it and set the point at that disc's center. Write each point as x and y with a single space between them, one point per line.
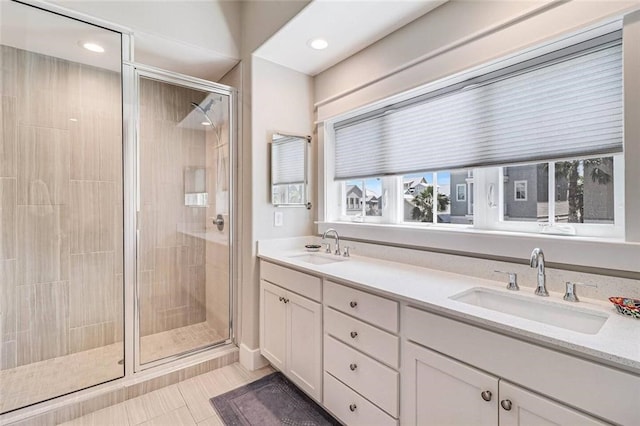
9 67
43 246
9 133
43 318
43 91
91 336
49 332
93 295
8 294
8 355
7 218
147 239
43 166
93 223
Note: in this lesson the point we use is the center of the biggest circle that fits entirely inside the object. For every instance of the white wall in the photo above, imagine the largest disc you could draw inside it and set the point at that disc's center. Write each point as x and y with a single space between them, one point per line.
455 37
267 108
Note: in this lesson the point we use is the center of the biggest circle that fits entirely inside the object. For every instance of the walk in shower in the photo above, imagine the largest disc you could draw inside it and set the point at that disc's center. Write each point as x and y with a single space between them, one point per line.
115 217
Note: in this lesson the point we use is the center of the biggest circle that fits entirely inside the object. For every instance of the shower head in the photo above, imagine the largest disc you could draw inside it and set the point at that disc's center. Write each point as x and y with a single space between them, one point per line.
204 110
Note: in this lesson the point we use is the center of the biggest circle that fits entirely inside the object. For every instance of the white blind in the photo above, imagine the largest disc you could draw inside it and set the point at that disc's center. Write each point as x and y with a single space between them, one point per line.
558 108
288 160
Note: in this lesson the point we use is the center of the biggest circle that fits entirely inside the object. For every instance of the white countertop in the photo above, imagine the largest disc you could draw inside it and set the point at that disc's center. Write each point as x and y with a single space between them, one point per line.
616 344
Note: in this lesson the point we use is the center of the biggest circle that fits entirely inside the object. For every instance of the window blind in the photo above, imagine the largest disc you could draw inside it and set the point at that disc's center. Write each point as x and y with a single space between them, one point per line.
288 161
566 104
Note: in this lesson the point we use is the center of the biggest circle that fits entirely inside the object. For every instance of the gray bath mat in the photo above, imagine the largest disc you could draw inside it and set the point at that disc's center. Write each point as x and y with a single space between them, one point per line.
272 400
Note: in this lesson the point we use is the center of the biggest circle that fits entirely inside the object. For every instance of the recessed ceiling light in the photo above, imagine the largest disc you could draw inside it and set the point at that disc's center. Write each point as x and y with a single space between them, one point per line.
94 47
318 43
206 123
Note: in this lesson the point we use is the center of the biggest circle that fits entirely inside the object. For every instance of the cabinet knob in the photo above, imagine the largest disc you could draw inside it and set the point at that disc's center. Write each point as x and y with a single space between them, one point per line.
281 299
354 334
486 395
506 404
353 303
352 407
286 300
353 367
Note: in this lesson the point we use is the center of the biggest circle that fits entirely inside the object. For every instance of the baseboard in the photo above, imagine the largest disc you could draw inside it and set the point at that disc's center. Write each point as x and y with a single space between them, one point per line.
251 358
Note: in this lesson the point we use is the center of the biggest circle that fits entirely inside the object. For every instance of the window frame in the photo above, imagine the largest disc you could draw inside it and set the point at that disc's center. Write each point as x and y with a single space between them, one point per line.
482 238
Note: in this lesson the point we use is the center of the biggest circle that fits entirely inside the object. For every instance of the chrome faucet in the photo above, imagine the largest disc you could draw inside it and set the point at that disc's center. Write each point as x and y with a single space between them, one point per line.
336 237
537 261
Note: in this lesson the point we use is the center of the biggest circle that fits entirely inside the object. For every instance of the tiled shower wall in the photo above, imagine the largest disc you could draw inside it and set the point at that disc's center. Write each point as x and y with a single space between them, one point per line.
61 207
171 263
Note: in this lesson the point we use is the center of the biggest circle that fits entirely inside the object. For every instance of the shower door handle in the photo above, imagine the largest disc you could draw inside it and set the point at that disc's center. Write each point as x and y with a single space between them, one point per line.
219 222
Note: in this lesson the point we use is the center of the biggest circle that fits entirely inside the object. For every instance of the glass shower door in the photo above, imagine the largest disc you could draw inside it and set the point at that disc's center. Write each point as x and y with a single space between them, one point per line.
61 206
183 262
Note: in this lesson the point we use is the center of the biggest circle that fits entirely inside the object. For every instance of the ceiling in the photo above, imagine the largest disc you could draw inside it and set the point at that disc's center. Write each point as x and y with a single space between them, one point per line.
348 26
201 38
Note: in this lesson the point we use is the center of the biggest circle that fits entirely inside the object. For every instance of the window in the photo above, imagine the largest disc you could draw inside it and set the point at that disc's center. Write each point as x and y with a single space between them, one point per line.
520 190
461 192
534 142
363 198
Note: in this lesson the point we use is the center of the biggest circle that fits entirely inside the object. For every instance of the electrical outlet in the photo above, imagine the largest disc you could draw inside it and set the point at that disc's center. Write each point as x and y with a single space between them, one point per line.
278 219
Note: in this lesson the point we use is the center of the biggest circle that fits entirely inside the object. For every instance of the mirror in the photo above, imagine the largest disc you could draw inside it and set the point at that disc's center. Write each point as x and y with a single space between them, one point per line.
289 178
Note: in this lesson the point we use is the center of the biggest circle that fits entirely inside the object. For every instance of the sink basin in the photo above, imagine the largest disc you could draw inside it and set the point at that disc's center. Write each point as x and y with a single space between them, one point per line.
543 311
316 259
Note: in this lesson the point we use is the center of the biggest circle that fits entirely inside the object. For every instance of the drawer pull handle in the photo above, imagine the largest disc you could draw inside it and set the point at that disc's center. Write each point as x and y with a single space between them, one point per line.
353 367
353 303
354 334
353 407
486 395
281 299
506 404
286 300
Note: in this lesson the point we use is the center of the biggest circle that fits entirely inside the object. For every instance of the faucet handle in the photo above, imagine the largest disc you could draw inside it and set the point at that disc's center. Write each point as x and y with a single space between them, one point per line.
328 249
513 280
346 251
570 294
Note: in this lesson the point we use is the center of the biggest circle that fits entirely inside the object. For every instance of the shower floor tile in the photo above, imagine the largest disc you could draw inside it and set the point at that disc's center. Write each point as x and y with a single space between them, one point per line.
39 381
176 341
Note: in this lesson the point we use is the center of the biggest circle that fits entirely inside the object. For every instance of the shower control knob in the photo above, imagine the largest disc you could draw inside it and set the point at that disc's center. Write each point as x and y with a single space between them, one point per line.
219 222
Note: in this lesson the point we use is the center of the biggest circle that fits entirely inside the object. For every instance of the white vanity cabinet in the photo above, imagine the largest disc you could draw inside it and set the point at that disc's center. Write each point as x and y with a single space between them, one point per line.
291 325
361 356
437 388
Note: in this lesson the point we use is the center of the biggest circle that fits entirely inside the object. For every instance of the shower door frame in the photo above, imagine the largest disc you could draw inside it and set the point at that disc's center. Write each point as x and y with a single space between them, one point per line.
132 72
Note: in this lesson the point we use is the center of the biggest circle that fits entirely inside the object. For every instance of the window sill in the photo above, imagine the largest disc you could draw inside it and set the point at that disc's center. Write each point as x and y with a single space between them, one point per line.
565 252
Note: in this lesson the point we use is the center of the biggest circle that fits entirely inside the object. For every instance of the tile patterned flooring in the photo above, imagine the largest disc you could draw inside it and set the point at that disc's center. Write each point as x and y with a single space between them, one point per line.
183 339
183 404
42 380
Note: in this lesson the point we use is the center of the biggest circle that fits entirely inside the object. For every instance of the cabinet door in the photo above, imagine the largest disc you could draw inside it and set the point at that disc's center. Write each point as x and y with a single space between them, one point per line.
304 340
273 324
437 390
523 408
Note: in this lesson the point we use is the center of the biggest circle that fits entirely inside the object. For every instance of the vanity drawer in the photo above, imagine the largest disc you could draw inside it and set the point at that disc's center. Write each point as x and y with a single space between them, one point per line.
351 408
376 382
379 344
375 310
298 282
